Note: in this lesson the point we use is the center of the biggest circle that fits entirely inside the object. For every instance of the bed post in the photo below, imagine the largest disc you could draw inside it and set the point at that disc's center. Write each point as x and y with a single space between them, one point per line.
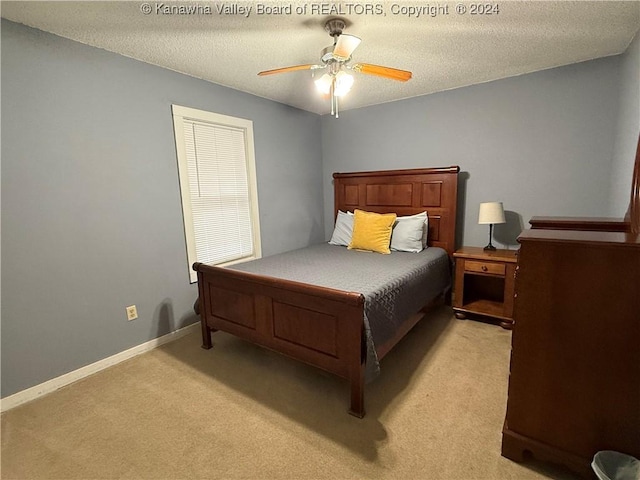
201 310
357 391
357 358
206 335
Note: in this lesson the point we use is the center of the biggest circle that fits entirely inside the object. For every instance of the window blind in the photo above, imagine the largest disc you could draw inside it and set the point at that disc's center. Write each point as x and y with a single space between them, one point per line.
215 169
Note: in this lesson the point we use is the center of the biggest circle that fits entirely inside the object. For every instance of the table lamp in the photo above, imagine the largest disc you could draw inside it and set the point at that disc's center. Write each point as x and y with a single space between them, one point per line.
491 213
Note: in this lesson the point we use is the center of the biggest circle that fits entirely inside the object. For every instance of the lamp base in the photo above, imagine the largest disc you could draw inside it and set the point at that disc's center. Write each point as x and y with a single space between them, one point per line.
490 247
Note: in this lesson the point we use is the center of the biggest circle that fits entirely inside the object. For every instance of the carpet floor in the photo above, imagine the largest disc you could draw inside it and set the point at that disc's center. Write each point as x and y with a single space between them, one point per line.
238 411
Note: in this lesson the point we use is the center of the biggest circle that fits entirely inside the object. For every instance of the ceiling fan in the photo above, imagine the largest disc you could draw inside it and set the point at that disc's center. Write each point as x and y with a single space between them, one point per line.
336 59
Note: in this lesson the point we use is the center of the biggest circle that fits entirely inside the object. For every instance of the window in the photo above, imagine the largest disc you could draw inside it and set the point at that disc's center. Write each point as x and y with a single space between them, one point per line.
216 164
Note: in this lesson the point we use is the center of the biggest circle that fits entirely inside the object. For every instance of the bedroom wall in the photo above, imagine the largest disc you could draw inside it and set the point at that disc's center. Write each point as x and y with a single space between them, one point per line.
627 130
91 213
541 143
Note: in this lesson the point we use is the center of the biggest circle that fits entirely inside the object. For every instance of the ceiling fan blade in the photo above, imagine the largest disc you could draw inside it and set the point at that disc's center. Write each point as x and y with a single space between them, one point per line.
386 72
345 46
288 69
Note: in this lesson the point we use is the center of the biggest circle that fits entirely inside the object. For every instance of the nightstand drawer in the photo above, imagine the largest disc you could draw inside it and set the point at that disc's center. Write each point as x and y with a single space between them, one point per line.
484 267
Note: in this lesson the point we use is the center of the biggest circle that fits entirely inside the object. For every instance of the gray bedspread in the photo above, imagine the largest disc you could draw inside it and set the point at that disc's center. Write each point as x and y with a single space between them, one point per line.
394 286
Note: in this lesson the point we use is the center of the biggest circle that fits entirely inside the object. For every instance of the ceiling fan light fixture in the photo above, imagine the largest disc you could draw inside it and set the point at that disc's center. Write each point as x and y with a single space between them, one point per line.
344 82
345 45
335 59
323 84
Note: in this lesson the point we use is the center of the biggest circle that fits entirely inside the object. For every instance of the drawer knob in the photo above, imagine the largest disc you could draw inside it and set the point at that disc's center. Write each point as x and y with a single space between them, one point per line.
484 268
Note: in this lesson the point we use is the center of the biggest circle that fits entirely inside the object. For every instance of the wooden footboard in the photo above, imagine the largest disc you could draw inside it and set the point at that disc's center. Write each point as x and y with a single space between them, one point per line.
319 326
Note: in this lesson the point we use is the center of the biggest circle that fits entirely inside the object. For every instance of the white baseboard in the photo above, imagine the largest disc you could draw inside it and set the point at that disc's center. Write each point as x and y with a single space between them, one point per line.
54 384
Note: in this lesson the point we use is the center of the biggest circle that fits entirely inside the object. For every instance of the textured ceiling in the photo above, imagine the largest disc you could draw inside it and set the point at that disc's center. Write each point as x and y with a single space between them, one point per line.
444 51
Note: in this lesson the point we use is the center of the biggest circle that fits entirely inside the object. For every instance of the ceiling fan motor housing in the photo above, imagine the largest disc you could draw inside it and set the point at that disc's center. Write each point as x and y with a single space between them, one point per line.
335 26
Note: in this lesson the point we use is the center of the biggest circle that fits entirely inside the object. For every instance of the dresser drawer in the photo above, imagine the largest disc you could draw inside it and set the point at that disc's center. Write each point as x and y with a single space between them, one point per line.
484 267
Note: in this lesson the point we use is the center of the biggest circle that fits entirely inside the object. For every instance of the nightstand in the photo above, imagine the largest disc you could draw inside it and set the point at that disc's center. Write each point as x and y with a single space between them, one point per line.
485 283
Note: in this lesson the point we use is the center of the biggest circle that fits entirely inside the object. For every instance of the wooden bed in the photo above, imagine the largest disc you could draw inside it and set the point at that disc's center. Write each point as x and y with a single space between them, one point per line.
318 325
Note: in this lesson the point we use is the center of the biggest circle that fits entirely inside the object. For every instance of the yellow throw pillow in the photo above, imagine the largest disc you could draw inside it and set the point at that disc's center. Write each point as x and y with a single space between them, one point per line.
372 231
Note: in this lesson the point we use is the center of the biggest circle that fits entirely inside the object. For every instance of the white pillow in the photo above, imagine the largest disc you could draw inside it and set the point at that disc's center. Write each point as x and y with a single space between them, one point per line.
425 231
410 233
343 231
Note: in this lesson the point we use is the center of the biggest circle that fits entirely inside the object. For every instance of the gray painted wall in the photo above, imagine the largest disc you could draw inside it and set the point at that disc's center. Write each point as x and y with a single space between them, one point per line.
91 214
627 130
541 143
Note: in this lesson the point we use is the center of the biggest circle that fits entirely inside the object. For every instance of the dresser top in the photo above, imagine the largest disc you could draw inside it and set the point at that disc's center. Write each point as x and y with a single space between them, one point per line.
603 224
620 239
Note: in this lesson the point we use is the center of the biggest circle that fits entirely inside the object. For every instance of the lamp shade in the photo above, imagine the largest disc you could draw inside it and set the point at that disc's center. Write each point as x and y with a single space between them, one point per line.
491 213
345 46
323 84
343 83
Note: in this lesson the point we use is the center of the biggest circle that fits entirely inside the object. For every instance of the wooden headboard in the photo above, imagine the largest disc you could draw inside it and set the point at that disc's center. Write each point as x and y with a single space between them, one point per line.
405 192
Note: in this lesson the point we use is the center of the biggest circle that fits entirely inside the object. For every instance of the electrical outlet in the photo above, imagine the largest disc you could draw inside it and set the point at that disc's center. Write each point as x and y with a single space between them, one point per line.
132 313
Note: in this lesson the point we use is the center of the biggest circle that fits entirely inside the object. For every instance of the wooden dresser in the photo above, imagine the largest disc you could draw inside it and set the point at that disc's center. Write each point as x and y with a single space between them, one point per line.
574 384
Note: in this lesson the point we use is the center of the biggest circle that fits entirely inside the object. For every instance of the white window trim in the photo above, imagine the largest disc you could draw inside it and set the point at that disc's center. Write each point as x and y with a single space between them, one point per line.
179 114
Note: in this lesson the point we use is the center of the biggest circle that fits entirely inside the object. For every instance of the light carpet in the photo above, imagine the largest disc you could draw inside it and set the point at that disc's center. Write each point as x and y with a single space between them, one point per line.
238 411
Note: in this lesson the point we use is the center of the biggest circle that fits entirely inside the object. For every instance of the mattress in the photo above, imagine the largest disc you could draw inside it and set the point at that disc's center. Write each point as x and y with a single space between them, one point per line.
394 286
